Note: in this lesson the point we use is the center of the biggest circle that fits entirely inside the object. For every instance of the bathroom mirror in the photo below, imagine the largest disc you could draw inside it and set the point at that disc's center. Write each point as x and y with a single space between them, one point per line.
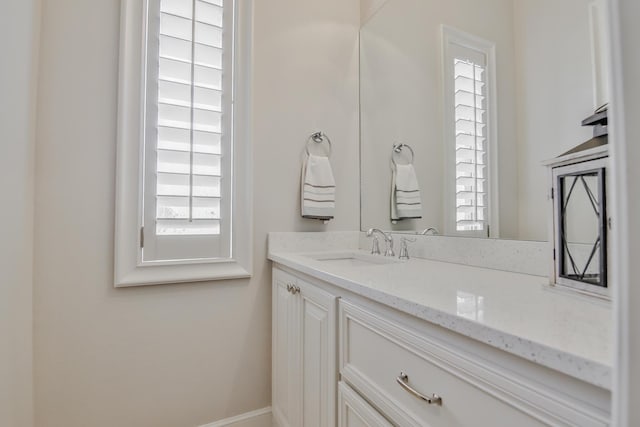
482 91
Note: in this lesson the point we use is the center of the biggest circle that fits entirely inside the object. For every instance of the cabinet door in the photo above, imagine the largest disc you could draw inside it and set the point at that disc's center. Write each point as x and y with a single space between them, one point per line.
319 375
355 411
285 353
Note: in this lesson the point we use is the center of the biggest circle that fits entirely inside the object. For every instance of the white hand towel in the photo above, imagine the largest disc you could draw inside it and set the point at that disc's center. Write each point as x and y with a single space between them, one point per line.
318 188
406 202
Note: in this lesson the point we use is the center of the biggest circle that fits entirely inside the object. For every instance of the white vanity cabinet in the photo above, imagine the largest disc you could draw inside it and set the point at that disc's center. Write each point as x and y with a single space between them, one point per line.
304 369
340 357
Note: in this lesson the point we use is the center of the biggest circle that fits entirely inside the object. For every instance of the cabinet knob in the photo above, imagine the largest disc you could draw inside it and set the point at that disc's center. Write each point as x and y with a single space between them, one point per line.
403 380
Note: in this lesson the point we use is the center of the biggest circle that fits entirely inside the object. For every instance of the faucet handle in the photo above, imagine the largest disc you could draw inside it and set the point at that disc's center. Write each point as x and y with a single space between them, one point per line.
404 251
375 246
389 248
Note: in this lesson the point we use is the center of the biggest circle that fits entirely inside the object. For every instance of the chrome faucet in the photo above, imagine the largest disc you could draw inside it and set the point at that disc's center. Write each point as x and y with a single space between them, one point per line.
404 251
426 231
388 240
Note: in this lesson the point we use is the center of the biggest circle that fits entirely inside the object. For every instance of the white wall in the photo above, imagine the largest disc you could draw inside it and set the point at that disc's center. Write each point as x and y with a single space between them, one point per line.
173 355
18 44
555 93
368 8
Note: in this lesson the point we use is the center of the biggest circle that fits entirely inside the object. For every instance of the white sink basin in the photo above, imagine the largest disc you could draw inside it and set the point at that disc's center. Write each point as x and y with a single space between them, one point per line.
352 259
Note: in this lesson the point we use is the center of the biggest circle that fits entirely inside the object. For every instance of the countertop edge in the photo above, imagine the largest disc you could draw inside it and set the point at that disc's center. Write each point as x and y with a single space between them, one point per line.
576 366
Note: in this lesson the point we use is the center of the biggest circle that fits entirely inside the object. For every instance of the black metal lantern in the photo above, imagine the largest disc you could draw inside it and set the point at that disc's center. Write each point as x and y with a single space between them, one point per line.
579 205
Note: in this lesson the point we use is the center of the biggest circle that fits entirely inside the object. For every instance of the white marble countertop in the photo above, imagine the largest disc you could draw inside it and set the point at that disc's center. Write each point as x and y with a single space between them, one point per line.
511 311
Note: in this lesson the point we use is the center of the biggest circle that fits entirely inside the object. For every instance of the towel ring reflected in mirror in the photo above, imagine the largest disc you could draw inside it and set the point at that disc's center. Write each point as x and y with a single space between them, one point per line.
319 138
397 149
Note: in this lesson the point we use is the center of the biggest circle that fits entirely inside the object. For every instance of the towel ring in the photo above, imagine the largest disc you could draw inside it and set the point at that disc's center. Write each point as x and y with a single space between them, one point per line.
319 138
397 149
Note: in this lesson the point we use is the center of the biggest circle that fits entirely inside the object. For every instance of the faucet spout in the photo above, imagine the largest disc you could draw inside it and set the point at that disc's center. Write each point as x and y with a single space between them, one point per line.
426 231
385 236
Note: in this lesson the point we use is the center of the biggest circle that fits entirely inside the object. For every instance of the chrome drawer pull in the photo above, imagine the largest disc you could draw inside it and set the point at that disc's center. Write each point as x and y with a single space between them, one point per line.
403 380
293 289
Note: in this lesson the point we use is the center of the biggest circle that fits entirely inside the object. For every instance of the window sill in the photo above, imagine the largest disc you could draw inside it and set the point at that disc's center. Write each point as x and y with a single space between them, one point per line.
161 274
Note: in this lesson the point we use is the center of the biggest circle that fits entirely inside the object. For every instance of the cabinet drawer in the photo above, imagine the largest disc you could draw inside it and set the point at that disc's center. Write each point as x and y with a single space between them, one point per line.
376 352
354 411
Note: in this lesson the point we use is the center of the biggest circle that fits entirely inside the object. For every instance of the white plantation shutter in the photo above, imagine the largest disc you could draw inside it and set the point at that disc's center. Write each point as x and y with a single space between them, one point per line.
471 136
470 144
188 152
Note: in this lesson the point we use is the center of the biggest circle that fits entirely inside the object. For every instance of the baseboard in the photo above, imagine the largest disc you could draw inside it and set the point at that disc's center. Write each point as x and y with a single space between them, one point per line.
257 418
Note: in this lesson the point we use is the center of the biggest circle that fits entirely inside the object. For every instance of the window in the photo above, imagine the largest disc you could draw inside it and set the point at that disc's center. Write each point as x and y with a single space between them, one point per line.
182 209
188 147
470 134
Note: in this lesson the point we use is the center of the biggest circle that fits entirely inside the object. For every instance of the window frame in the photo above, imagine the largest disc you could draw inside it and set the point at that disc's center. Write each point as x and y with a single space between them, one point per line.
452 36
129 267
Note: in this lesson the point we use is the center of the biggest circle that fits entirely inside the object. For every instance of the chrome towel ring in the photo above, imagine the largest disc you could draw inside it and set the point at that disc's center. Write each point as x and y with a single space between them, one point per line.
397 149
319 138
